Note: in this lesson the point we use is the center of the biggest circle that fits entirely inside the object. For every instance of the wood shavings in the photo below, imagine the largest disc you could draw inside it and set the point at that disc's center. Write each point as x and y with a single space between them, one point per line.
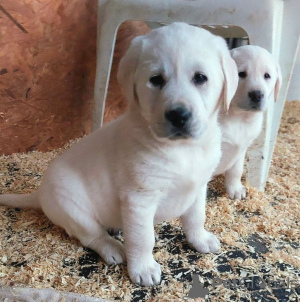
259 237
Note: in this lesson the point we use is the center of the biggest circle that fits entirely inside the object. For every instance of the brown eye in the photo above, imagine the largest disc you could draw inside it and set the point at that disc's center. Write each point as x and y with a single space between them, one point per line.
267 76
199 78
242 74
157 81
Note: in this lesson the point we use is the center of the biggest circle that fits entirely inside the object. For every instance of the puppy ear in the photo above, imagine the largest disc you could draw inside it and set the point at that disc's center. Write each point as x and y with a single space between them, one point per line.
231 78
127 68
278 82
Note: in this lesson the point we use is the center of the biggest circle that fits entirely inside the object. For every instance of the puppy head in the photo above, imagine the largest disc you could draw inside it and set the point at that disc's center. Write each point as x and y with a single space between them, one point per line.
259 78
177 76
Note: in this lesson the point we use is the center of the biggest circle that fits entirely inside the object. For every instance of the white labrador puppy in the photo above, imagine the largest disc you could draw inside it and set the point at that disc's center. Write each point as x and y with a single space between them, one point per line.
154 162
259 84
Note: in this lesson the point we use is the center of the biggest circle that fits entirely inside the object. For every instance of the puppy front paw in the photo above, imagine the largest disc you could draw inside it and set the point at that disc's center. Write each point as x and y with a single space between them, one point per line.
205 242
145 272
236 191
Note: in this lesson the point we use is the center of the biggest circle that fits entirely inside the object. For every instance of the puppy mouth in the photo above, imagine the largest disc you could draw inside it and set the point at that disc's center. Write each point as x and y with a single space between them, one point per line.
174 134
189 131
256 107
180 135
252 107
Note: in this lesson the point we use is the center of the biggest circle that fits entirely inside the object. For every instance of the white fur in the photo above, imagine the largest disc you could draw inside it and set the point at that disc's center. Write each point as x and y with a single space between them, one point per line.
130 174
241 125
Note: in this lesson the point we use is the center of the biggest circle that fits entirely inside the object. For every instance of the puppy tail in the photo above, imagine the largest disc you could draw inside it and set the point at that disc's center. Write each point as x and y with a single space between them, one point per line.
20 200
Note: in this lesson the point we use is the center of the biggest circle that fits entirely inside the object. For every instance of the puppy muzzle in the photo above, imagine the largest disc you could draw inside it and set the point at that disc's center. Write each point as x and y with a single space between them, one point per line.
179 120
256 100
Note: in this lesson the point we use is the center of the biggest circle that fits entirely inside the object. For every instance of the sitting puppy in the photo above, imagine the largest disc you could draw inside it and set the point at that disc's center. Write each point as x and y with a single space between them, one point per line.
259 84
154 162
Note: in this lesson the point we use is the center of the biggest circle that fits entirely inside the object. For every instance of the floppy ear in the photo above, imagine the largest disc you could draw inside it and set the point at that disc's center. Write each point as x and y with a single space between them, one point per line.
278 82
127 68
231 78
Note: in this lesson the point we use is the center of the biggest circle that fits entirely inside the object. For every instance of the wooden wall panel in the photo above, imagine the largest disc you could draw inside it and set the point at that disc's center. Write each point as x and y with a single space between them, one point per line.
47 72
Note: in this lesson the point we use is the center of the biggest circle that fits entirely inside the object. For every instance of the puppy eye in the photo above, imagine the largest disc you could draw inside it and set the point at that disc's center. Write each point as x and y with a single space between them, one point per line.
199 78
242 74
267 76
157 81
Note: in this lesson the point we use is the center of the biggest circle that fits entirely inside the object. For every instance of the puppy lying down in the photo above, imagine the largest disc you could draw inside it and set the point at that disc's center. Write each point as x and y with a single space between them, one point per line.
259 84
154 162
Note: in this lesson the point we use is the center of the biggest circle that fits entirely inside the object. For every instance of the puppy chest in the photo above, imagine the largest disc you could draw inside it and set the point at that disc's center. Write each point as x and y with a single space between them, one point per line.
182 190
240 133
174 204
188 177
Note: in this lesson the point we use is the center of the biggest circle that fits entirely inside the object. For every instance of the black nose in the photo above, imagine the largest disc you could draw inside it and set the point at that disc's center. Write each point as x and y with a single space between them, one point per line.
178 116
256 96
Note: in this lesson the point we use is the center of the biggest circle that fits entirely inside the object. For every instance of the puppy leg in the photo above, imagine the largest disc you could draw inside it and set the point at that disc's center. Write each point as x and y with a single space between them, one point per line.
193 223
233 184
94 236
138 232
63 208
111 250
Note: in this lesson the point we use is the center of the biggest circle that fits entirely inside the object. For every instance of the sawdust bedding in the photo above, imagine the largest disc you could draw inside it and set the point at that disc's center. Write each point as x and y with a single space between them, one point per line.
260 240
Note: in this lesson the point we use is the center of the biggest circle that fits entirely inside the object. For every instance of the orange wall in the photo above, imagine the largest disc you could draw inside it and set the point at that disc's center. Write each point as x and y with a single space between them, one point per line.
47 72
